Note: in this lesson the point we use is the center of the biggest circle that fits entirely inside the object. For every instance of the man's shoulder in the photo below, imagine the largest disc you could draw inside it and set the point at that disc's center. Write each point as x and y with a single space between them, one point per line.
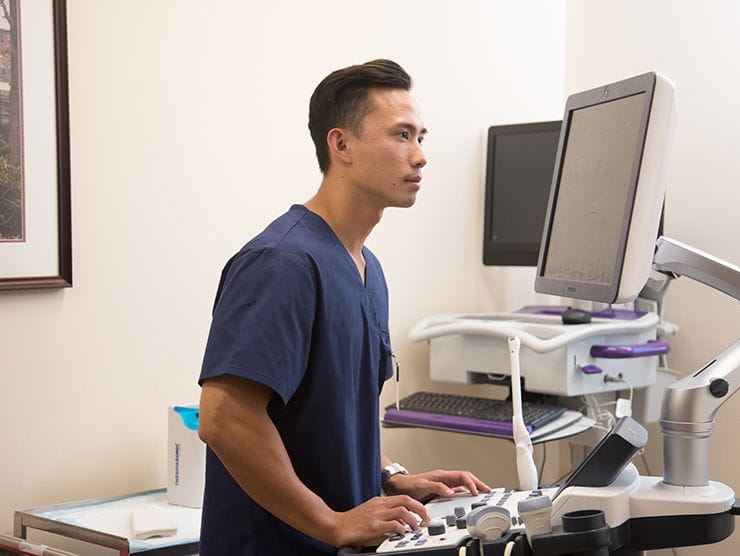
295 233
292 239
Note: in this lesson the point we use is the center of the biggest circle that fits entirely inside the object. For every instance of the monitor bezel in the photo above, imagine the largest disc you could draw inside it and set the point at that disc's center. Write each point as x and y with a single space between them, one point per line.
499 253
605 293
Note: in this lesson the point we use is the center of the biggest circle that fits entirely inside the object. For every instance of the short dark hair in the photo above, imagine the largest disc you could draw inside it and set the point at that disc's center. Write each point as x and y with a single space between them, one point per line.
342 100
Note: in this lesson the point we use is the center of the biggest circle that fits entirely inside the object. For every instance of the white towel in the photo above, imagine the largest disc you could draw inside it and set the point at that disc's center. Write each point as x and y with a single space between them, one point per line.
152 521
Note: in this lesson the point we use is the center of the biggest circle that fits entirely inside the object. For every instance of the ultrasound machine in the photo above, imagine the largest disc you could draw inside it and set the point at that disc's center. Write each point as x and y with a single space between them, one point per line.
598 245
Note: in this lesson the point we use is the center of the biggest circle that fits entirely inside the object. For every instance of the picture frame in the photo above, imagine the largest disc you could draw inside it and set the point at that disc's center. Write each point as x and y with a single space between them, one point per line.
36 252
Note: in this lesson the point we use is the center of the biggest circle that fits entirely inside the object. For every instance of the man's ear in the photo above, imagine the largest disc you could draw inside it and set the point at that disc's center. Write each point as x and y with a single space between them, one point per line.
336 138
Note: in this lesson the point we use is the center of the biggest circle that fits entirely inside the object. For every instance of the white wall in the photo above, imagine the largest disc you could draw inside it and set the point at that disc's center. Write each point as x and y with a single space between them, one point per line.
695 44
188 136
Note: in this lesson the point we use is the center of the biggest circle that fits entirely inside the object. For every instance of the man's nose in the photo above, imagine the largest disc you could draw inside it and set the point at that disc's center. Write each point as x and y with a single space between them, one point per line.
419 160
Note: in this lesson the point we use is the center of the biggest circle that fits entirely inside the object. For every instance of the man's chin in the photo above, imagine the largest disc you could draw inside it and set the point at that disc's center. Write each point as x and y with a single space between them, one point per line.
406 202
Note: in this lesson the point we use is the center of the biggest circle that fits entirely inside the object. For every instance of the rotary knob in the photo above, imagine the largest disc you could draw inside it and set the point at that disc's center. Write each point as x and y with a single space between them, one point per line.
719 387
436 529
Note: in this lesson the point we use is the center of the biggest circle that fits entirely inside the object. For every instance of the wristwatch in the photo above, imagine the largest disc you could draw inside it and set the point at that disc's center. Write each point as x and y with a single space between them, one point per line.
389 470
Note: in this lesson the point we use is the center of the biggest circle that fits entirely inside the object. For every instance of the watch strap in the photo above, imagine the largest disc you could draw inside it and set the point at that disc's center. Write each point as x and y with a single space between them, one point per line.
393 469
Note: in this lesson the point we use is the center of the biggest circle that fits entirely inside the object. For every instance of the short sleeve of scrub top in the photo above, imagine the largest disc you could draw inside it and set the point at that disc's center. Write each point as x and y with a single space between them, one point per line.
262 321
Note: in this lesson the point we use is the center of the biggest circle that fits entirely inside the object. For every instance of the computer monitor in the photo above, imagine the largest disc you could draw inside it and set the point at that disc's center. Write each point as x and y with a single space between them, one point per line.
607 192
519 167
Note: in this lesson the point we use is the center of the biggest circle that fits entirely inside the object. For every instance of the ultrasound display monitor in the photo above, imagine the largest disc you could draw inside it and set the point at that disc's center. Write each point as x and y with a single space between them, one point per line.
519 168
608 188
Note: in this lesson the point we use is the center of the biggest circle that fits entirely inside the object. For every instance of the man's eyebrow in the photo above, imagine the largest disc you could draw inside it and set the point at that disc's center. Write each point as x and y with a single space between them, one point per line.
411 127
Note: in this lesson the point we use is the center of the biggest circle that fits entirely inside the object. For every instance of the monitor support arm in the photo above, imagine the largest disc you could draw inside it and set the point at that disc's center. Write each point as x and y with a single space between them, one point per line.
675 259
689 405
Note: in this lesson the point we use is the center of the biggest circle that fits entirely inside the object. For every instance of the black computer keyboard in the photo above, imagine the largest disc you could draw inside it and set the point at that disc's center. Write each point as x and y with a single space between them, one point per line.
535 414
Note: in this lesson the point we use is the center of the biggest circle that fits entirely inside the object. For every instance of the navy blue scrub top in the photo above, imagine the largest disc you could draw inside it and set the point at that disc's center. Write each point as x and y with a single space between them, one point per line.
292 313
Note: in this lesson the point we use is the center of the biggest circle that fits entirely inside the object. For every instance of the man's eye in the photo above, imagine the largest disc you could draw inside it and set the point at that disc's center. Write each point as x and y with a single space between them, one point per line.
421 139
404 134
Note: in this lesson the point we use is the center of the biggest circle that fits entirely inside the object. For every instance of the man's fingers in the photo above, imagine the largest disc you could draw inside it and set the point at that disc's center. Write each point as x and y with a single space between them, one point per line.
470 481
402 516
466 479
410 504
481 485
441 489
391 527
478 483
460 478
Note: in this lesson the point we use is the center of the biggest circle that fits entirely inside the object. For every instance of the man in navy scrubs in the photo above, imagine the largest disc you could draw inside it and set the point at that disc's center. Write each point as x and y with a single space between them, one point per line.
299 349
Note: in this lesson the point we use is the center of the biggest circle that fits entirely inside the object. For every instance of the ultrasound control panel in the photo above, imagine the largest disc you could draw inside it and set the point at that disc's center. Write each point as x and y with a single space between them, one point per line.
448 528
449 515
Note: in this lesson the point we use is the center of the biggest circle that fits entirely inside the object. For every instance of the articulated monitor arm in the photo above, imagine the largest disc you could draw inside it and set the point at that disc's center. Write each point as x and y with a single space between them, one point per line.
678 259
689 405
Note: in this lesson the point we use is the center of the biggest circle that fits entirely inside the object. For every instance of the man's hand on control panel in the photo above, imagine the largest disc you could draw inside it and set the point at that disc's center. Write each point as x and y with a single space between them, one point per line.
371 522
439 483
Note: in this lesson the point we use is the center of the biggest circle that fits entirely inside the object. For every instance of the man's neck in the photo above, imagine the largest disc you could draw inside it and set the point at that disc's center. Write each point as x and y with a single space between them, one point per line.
349 215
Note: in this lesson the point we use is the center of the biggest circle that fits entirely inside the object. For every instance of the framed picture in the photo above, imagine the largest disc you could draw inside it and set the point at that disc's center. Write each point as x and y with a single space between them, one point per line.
35 219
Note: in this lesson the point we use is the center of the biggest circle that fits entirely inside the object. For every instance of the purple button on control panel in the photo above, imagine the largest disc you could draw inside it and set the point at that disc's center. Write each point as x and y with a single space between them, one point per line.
591 369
